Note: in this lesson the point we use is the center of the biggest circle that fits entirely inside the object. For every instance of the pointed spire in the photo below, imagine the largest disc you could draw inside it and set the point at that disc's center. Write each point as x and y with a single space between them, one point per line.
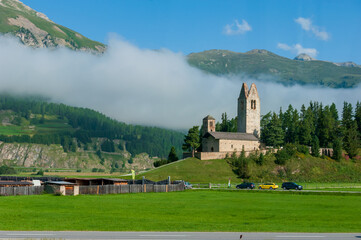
253 87
244 91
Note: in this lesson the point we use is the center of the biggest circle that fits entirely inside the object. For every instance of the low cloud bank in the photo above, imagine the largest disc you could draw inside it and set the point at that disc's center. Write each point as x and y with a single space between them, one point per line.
141 86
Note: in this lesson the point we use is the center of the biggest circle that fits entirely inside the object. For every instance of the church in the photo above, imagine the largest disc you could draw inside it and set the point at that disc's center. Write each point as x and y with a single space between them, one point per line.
216 145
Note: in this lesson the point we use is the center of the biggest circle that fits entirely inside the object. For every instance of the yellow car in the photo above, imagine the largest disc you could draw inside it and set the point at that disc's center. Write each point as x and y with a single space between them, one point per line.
268 186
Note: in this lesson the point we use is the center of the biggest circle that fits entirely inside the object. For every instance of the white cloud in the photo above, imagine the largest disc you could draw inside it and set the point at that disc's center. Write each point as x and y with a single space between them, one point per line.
307 25
284 46
298 49
130 84
140 86
236 28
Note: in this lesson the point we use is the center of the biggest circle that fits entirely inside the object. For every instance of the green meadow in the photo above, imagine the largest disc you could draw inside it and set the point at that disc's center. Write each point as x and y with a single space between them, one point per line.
235 211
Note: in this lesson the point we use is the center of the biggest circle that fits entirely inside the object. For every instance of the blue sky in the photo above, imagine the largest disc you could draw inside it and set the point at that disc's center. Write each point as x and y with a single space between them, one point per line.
326 29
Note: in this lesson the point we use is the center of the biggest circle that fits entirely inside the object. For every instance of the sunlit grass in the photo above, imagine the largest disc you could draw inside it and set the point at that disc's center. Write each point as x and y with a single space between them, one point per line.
184 211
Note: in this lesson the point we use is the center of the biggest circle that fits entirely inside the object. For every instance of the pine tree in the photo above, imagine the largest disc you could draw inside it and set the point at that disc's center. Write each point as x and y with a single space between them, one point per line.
346 116
337 149
351 140
172 156
305 129
358 117
192 140
276 134
266 119
315 148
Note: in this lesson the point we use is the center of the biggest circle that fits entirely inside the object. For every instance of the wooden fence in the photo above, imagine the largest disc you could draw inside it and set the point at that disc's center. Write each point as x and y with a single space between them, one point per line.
131 188
13 191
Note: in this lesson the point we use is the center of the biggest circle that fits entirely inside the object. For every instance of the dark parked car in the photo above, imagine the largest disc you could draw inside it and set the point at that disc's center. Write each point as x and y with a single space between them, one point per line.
246 185
291 185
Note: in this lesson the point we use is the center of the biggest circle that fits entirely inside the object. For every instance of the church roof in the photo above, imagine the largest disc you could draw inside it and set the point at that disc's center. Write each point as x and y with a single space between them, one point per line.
232 136
209 117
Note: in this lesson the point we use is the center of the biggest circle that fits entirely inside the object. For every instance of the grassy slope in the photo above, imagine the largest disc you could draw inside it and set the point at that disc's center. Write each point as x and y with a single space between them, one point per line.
237 211
283 69
193 170
69 35
302 169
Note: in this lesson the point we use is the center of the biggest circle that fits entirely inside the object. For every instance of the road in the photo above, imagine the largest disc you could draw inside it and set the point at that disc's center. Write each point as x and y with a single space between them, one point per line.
175 235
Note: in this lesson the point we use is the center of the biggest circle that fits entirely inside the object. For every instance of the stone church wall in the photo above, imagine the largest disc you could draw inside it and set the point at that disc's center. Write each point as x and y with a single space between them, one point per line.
226 145
210 145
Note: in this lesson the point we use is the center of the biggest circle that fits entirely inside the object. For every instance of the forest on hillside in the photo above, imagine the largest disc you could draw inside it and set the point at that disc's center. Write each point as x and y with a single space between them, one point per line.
85 124
316 125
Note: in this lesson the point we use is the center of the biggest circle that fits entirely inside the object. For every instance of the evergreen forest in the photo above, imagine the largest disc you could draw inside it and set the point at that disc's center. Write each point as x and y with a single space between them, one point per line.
77 126
315 126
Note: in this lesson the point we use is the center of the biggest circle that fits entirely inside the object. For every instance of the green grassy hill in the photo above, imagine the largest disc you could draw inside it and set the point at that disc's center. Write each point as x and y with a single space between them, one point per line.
193 170
302 168
267 65
35 29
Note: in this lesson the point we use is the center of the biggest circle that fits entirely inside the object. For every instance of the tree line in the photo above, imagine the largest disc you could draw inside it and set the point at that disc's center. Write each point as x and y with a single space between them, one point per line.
87 124
316 126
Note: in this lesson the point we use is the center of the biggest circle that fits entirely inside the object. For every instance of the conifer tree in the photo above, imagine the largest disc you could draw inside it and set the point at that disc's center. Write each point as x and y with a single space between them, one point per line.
305 129
337 149
192 140
351 140
172 156
276 134
315 148
358 117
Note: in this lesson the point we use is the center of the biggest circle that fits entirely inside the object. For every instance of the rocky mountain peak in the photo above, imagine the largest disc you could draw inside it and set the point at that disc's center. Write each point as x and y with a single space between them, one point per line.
347 64
304 57
258 51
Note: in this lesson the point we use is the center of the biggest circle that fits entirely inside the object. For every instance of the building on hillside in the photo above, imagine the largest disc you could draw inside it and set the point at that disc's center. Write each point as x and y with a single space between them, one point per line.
216 145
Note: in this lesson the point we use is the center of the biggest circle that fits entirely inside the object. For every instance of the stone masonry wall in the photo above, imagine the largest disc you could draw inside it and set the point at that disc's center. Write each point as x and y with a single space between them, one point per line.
237 145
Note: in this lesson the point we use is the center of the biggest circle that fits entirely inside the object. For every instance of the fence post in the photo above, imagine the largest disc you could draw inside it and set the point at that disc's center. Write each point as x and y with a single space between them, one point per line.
143 185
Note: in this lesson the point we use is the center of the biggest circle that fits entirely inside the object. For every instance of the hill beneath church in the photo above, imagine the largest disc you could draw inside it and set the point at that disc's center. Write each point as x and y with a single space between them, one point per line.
302 168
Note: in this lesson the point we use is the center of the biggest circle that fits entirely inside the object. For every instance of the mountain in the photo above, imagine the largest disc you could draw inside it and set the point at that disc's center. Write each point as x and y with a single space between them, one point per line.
304 57
266 65
37 30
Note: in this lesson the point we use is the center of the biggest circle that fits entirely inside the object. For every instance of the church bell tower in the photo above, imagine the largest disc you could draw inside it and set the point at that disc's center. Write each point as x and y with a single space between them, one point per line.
249 111
209 125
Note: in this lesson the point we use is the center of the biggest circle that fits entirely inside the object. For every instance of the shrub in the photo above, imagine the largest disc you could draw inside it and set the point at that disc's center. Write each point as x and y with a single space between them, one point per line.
7 170
285 154
160 162
260 159
303 149
40 173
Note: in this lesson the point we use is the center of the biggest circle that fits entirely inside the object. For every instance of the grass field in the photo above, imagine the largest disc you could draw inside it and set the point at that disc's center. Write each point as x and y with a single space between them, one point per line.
235 211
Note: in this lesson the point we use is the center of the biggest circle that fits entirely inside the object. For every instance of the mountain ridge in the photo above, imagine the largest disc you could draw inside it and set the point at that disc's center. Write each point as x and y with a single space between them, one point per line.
258 63
35 29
